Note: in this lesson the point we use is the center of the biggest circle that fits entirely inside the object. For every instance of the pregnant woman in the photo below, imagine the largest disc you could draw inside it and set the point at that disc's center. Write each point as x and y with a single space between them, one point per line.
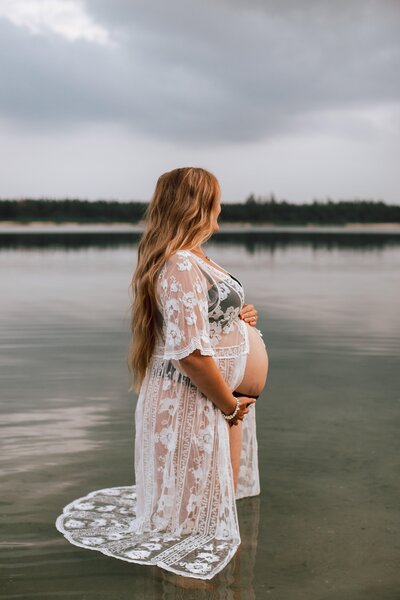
198 365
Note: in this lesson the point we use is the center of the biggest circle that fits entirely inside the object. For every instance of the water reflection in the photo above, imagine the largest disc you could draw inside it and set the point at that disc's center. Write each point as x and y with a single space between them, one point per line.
231 582
252 240
327 423
34 439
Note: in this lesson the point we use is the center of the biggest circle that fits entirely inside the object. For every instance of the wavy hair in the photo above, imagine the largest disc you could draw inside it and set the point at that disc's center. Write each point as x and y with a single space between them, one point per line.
178 217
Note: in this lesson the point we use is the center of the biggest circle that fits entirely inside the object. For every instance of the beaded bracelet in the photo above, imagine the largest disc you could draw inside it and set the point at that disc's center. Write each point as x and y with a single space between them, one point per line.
235 412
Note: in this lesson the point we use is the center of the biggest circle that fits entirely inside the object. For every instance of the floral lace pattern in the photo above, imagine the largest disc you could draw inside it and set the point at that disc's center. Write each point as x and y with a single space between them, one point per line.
181 513
100 521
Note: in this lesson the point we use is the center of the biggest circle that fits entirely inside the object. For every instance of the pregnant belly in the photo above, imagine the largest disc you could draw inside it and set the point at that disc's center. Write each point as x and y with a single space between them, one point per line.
256 369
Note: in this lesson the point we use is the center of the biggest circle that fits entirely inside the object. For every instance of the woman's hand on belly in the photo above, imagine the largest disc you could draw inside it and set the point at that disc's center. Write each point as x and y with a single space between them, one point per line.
249 314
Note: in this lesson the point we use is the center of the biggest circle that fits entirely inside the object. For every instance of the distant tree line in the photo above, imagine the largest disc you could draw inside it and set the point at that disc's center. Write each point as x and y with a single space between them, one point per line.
78 211
269 210
253 210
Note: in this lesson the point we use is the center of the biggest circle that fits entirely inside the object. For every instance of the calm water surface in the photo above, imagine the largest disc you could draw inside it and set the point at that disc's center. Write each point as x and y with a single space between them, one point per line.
326 525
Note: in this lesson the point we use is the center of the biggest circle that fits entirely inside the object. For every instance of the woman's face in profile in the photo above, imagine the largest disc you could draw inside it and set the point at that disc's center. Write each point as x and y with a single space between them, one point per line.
216 215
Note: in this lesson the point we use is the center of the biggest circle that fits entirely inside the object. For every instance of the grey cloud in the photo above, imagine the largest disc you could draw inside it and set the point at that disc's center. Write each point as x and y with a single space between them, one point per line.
218 71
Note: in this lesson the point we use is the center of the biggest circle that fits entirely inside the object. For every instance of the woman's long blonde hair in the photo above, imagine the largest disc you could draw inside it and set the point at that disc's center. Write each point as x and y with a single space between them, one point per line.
179 216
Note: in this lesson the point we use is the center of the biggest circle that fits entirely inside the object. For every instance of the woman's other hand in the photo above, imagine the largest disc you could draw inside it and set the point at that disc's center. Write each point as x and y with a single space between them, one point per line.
245 401
249 314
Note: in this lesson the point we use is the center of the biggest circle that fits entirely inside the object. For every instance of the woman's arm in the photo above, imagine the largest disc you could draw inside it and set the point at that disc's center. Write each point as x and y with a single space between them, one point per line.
204 373
184 301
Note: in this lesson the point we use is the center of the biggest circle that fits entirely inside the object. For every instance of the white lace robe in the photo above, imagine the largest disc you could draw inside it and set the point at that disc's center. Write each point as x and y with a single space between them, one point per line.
181 513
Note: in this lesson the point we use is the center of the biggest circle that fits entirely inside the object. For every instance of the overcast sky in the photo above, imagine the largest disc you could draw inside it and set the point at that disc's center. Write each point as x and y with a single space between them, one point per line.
300 98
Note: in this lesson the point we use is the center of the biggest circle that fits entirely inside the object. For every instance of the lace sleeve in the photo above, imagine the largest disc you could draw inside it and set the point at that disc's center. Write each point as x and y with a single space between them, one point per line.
184 301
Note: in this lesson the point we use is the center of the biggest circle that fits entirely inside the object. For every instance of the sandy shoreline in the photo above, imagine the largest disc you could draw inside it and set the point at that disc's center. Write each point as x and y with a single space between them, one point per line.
46 226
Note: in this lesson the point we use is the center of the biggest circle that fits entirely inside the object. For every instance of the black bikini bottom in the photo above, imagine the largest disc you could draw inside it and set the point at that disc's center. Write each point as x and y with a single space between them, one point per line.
240 395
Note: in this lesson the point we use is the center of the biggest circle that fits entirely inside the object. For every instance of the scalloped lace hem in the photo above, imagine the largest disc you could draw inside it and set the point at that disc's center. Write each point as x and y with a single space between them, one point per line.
102 521
195 344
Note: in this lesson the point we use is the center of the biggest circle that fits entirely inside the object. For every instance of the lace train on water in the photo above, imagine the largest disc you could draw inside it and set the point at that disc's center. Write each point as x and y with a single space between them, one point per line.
102 519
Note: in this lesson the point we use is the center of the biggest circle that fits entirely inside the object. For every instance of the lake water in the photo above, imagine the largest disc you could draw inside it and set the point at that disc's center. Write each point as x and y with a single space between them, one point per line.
326 525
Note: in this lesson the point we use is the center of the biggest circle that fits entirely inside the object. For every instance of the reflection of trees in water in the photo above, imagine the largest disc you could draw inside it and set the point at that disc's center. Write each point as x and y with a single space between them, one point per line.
252 241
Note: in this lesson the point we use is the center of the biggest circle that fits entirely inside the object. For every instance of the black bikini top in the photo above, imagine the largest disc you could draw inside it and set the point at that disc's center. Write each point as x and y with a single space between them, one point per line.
235 279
